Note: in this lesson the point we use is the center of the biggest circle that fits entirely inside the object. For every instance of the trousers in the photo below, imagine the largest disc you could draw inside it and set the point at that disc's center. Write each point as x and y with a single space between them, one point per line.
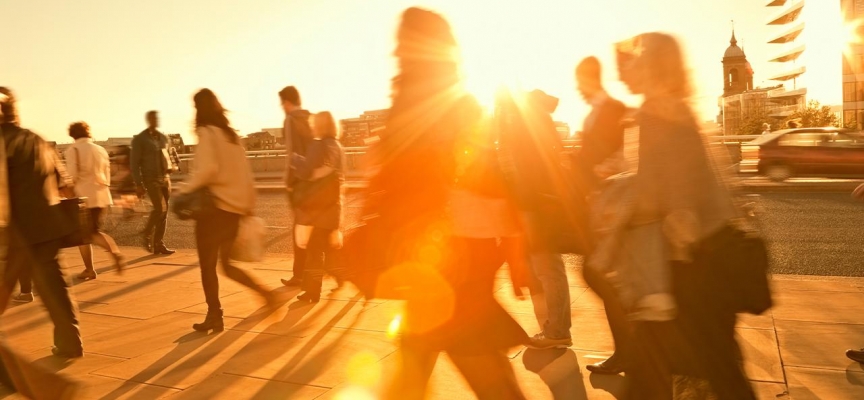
160 193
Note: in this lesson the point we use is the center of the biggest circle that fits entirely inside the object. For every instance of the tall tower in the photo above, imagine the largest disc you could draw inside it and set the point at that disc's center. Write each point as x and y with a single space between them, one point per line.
737 74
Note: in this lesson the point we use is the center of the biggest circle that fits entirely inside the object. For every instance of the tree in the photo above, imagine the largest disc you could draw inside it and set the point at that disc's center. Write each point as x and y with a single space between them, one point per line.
752 123
814 115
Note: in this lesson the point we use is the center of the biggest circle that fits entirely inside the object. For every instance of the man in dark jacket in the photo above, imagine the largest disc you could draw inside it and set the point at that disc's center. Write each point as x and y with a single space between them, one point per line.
602 137
37 225
297 135
151 169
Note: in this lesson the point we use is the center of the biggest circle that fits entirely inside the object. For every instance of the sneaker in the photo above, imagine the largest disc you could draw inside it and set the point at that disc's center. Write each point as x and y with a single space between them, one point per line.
23 298
541 342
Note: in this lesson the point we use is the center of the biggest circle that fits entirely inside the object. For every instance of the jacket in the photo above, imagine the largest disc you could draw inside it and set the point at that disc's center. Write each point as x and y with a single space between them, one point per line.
602 136
222 167
34 175
298 136
318 192
88 165
149 160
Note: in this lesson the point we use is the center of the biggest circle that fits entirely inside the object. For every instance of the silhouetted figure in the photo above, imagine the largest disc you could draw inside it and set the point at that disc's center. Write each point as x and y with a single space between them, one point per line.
318 203
88 165
151 169
681 317
602 139
37 225
220 165
450 264
297 135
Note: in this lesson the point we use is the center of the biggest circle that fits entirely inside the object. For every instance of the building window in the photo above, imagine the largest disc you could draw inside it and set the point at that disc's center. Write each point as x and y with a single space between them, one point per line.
733 76
849 92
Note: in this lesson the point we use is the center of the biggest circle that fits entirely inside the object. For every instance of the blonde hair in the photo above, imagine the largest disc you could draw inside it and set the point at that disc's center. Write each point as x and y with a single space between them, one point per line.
662 64
324 124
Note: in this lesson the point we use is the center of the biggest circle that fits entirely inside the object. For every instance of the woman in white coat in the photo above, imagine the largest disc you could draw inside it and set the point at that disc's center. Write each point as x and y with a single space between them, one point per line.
90 168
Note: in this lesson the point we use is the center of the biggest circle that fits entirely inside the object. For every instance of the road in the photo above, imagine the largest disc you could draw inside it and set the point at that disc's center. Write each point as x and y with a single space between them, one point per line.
808 233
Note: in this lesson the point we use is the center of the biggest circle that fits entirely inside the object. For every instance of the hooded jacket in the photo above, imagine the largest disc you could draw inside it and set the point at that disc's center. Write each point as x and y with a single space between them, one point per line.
298 135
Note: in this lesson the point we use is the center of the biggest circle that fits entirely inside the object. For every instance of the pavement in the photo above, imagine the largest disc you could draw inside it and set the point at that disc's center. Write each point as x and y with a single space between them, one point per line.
139 343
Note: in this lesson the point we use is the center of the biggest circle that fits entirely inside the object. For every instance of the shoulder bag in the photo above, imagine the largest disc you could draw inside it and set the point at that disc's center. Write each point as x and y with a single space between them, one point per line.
77 215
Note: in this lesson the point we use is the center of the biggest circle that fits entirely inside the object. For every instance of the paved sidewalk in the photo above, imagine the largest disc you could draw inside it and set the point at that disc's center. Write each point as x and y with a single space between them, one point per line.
139 343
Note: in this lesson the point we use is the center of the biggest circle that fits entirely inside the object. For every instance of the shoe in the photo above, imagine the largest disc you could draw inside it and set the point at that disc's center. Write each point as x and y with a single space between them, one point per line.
310 297
119 262
163 250
541 342
610 366
67 354
856 355
146 242
213 322
292 282
88 274
23 298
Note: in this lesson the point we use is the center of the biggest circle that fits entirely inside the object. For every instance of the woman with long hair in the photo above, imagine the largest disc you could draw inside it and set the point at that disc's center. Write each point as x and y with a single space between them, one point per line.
679 189
219 166
90 168
444 223
318 203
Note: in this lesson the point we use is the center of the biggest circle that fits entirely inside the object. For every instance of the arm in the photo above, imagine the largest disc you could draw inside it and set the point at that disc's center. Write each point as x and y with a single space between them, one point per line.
135 162
316 165
204 163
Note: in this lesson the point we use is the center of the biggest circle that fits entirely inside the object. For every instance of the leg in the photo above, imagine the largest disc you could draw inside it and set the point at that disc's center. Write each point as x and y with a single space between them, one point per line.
319 242
490 376
549 268
25 280
162 221
55 295
230 224
155 194
87 255
621 328
412 378
651 376
207 243
299 260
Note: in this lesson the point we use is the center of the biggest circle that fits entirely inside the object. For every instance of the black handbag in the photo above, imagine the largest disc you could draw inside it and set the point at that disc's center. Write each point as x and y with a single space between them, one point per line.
740 269
194 205
78 217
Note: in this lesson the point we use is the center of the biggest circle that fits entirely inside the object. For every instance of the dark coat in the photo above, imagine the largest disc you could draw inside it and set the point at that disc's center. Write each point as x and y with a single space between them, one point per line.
602 138
318 199
298 136
34 168
149 159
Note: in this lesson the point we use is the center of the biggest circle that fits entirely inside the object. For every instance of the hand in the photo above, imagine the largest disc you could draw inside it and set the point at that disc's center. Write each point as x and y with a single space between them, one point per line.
140 191
858 193
67 192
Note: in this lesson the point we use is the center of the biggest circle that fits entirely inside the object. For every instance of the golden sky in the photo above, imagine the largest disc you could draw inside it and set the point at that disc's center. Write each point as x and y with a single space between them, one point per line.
109 61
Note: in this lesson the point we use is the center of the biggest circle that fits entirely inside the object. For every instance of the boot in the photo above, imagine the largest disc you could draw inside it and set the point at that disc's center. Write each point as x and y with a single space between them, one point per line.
213 322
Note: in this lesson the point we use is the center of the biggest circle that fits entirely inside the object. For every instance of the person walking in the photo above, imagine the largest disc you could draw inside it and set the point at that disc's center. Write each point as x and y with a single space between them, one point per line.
679 204
220 166
297 135
37 225
151 169
318 203
602 140
90 168
433 218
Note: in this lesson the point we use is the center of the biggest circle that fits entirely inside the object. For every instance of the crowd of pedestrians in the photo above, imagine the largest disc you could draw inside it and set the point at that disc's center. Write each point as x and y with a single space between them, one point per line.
456 193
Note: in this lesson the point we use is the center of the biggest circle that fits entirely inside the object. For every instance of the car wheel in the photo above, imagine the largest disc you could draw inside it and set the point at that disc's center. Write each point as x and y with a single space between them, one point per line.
778 173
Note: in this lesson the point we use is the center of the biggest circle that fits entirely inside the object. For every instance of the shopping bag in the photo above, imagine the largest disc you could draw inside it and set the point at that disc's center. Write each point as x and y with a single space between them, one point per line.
249 245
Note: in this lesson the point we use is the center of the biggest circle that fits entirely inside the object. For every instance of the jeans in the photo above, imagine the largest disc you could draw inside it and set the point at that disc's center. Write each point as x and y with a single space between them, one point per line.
622 330
25 280
160 193
42 260
214 237
320 257
549 268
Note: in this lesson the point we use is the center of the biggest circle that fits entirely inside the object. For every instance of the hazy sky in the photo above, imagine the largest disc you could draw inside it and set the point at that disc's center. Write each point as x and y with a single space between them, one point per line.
108 61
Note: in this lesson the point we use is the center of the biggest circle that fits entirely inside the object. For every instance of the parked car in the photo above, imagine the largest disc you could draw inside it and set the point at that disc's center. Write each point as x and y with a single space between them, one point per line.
810 152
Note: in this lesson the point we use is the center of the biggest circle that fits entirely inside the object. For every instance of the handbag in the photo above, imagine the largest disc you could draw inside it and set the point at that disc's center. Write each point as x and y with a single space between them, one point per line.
249 245
740 269
193 205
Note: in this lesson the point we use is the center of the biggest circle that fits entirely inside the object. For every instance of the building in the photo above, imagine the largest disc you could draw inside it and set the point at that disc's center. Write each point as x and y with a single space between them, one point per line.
563 129
259 141
853 65
361 131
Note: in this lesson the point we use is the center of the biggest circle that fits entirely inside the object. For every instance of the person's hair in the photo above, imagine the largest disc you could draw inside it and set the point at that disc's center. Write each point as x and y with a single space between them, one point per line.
151 114
7 106
291 95
662 62
791 124
325 124
589 69
209 112
79 130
